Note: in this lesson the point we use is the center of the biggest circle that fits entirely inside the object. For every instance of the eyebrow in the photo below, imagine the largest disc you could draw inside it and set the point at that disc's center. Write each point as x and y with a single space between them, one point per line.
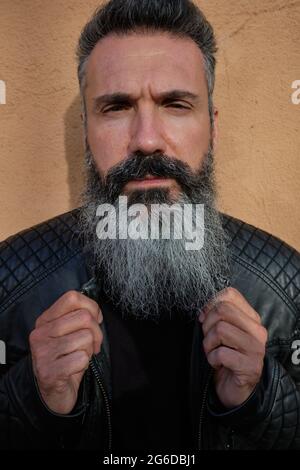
115 98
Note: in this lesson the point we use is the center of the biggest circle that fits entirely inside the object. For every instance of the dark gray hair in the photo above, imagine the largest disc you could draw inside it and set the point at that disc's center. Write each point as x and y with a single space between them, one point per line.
178 17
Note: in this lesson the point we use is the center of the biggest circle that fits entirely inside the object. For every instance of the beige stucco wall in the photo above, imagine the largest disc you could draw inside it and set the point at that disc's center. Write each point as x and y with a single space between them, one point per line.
258 162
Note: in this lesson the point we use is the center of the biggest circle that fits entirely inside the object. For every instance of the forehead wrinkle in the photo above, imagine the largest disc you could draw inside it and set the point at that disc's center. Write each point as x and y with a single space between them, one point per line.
108 68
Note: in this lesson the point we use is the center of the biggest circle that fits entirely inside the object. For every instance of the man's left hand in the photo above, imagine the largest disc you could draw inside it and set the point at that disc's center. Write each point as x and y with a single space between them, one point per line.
234 343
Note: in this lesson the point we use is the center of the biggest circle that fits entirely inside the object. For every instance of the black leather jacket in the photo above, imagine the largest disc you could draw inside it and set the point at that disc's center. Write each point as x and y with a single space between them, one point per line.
42 263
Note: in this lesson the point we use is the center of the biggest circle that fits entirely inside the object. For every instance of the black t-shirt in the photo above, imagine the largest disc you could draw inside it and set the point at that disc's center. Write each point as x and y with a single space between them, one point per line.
150 382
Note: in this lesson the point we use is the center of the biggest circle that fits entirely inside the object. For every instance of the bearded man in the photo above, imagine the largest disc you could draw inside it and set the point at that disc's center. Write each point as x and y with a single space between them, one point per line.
135 342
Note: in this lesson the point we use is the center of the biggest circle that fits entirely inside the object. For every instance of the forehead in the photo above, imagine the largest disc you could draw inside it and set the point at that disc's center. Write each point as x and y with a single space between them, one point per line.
125 61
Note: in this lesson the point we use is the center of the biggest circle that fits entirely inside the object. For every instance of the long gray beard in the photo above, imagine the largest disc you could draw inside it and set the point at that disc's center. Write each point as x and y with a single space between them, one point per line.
153 278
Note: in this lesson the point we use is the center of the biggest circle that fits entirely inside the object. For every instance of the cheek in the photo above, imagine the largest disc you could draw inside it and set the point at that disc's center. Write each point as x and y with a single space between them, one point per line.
201 131
108 146
200 138
195 144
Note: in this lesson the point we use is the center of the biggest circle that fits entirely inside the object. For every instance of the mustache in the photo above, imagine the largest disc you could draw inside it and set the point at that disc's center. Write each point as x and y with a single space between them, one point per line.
139 165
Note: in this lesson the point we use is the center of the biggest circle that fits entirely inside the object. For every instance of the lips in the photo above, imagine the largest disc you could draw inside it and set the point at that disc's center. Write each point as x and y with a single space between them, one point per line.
149 180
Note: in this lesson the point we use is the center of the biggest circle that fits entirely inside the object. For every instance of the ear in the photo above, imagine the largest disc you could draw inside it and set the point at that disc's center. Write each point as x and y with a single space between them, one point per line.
215 131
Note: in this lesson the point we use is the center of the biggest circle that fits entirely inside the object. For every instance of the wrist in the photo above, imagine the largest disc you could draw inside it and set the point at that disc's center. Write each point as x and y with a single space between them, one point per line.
237 399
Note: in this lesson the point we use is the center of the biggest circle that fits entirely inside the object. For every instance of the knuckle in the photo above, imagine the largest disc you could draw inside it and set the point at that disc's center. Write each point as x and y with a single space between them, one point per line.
72 297
257 317
262 351
257 369
220 329
263 335
89 352
99 336
220 353
99 341
93 304
87 336
228 293
85 318
205 344
83 358
34 338
218 309
231 293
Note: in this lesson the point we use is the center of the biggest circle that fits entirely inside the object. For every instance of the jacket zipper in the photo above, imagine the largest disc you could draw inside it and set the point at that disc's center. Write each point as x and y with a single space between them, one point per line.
95 371
202 410
87 290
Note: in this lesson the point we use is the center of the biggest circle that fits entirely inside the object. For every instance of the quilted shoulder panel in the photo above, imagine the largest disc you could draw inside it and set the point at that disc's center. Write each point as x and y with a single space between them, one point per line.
27 256
267 254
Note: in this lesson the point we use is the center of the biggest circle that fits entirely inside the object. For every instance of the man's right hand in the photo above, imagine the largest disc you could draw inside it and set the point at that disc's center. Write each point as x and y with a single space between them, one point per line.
63 341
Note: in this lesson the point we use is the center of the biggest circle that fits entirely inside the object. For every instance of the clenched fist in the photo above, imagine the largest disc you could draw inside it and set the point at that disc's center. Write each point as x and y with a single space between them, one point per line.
234 344
63 341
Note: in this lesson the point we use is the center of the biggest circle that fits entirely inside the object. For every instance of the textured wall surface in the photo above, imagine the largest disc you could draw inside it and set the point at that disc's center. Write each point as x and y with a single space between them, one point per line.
41 147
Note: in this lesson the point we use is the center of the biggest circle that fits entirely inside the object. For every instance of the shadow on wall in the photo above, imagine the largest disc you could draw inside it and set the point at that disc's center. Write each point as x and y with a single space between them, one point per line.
74 151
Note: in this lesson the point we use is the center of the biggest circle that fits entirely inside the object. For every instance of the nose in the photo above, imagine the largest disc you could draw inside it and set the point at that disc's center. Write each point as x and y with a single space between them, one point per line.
147 133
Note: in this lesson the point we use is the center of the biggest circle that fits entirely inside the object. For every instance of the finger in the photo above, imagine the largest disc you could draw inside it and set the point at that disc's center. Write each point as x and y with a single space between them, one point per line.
70 323
77 321
74 363
82 340
228 358
69 302
235 361
231 314
233 296
225 334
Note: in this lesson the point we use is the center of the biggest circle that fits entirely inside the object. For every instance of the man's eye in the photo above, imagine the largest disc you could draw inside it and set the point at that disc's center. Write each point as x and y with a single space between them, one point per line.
115 107
178 105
